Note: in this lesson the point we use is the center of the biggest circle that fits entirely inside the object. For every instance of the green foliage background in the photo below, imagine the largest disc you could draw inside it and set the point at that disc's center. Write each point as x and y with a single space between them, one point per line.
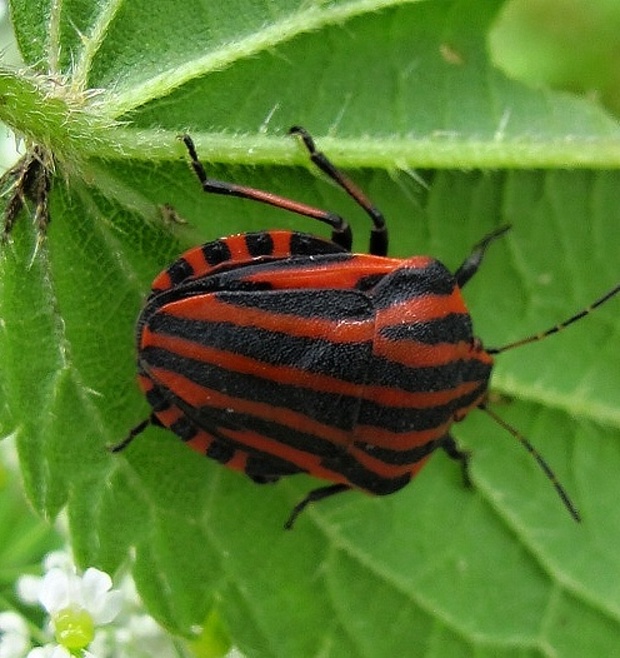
449 147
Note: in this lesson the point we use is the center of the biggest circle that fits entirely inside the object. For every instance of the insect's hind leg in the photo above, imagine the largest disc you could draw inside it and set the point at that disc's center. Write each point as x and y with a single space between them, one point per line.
312 497
450 447
133 433
341 231
472 262
379 235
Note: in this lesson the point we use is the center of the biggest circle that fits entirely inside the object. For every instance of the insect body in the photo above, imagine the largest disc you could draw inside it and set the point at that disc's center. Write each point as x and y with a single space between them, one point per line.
279 352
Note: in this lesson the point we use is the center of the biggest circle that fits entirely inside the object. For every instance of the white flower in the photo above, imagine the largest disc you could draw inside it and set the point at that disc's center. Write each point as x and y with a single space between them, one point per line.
60 591
14 636
49 651
58 560
29 587
78 604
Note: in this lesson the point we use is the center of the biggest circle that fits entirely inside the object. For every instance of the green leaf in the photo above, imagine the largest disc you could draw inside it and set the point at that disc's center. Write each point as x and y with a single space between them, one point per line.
436 569
24 540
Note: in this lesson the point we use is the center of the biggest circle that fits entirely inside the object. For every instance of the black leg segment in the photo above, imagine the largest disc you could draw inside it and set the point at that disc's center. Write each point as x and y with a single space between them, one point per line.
378 235
314 496
138 429
462 456
472 262
341 232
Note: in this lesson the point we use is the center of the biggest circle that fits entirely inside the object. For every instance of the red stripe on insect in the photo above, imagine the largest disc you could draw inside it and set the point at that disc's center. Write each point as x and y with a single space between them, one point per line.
312 463
198 396
399 440
422 308
238 248
387 396
384 470
321 273
209 309
161 282
420 355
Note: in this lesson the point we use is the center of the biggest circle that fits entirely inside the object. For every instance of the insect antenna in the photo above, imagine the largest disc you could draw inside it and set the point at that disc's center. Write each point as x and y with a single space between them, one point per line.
568 503
517 435
558 327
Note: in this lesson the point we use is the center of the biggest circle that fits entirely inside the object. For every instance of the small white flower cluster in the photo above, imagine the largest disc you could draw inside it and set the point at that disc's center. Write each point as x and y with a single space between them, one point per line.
81 610
87 618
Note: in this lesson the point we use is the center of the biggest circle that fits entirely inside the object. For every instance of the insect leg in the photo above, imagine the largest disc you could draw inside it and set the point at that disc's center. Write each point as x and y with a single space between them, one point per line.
314 496
454 452
138 429
379 234
341 231
472 262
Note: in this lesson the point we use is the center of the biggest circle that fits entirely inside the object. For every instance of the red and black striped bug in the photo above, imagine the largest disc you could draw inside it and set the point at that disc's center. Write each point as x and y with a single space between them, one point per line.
279 352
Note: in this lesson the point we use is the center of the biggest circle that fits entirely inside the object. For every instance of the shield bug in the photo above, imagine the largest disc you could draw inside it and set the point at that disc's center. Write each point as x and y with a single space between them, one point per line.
279 352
